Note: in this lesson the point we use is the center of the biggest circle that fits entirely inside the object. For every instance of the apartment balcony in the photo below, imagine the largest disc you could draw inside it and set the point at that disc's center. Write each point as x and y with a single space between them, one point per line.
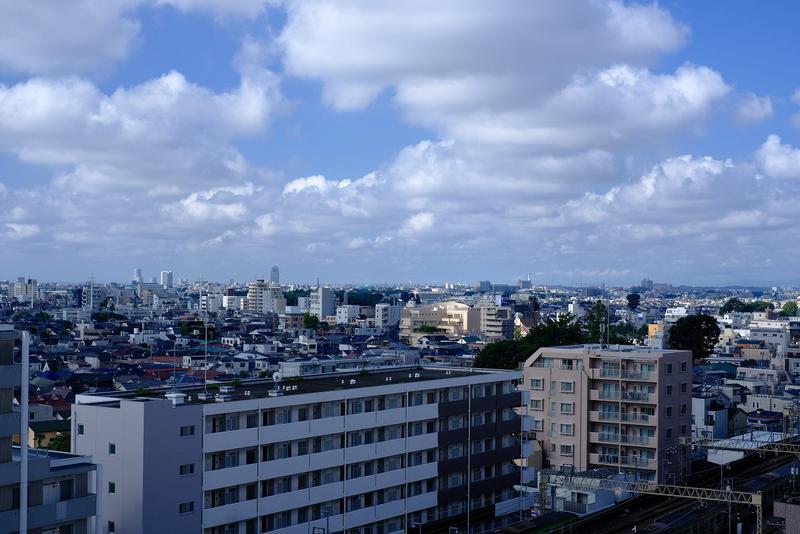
599 394
638 462
599 374
638 418
230 513
601 416
45 515
645 376
613 437
603 459
636 396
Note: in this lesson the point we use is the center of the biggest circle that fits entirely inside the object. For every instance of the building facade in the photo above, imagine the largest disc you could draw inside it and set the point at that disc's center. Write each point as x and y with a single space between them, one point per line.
264 297
322 303
354 452
620 407
59 485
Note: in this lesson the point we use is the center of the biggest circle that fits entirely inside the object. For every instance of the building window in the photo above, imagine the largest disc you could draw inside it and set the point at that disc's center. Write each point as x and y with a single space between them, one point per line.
80 430
567 387
537 383
187 431
683 409
683 366
683 430
668 391
683 387
669 433
538 424
566 450
669 411
111 526
112 487
112 448
186 507
668 368
186 469
566 429
537 404
567 407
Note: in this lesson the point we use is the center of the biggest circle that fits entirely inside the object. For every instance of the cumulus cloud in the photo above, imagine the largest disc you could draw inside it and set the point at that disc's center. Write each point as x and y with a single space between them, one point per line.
503 77
779 160
753 108
55 37
165 131
417 223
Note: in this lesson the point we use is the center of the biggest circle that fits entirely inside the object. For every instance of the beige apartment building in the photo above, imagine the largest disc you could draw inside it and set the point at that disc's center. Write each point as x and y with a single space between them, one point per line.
450 318
619 407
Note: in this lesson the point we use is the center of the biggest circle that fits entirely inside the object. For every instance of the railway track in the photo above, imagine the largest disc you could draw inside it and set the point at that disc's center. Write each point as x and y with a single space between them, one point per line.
645 511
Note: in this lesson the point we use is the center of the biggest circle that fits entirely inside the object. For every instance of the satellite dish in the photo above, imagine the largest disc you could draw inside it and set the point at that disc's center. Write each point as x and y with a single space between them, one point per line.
277 376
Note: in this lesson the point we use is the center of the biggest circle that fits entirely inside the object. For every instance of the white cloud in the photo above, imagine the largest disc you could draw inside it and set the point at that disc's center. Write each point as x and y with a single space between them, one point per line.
166 131
753 108
58 37
778 160
480 75
16 231
417 224
221 8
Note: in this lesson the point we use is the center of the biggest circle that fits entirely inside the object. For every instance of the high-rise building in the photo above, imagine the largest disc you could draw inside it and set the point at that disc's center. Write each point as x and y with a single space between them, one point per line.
166 278
621 407
346 452
264 297
59 485
137 276
496 322
26 289
275 275
322 303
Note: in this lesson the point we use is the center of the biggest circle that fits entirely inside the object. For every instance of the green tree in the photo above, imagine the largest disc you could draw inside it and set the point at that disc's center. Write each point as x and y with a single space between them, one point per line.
61 442
789 309
310 321
551 332
697 333
634 299
594 324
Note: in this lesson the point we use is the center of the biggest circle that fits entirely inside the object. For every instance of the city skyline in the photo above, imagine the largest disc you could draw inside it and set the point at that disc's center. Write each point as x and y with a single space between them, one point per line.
455 142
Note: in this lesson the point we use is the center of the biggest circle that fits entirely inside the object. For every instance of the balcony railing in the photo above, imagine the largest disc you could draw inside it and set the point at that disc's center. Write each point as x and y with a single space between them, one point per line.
609 373
636 375
608 437
608 458
609 416
636 396
636 418
613 395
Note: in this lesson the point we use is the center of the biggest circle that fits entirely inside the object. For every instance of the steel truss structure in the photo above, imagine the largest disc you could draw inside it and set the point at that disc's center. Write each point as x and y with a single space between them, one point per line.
651 488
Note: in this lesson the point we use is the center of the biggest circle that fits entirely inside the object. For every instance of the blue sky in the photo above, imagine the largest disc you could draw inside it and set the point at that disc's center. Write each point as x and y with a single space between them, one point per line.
581 142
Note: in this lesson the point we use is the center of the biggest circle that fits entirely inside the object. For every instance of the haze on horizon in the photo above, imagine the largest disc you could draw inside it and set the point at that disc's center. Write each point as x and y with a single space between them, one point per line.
582 142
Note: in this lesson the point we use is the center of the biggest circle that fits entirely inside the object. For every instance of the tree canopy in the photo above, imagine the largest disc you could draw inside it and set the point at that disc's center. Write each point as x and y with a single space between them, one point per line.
697 333
789 309
737 305
550 332
634 299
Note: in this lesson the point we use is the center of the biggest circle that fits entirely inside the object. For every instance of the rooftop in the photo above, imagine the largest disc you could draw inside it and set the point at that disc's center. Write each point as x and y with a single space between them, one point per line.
259 388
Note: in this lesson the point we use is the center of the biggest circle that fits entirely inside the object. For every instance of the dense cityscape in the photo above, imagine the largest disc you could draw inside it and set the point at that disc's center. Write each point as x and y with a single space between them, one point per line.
389 402
399 267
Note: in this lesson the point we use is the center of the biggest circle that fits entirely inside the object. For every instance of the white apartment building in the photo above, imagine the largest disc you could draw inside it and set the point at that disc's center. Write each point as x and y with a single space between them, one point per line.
387 315
351 452
321 303
264 297
26 289
621 407
347 313
450 317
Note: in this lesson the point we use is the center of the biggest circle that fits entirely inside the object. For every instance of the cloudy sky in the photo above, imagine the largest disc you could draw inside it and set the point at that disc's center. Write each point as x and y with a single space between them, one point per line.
581 142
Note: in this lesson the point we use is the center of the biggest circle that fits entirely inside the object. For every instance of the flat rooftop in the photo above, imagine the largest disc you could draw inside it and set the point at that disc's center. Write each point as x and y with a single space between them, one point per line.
631 349
261 388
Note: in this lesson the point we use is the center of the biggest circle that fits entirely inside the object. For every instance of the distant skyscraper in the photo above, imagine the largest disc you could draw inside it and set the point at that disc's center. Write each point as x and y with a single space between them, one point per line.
166 278
137 276
275 275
